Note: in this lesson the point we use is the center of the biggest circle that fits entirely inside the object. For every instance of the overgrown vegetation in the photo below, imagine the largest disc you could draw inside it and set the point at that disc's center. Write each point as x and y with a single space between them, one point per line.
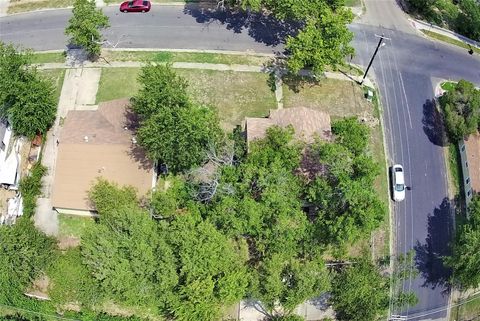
462 16
31 188
465 258
27 99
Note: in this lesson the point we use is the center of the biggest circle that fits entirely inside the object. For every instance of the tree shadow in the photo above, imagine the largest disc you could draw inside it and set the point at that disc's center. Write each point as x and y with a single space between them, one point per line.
136 152
429 256
262 27
433 124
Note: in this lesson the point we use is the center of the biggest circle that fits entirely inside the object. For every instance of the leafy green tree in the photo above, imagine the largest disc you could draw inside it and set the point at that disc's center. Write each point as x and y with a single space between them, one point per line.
127 255
161 88
26 99
290 281
31 188
465 258
288 317
352 134
468 22
165 203
211 268
84 25
173 130
360 292
107 196
324 41
180 137
25 252
343 194
461 110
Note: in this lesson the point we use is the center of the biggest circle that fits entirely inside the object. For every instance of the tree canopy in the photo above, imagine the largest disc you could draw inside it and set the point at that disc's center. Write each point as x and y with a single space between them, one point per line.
360 292
465 258
26 98
84 25
173 129
24 253
461 110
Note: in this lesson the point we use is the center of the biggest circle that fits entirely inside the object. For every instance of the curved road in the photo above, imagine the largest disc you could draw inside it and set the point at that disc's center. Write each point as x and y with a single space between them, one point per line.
405 69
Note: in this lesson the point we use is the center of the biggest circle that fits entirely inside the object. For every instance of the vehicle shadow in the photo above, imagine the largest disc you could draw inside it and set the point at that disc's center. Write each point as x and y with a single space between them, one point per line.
262 27
429 256
433 124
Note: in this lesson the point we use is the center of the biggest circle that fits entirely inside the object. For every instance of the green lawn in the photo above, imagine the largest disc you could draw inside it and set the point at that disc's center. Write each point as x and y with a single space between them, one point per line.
40 58
234 94
73 226
468 311
56 76
23 6
199 57
450 40
448 85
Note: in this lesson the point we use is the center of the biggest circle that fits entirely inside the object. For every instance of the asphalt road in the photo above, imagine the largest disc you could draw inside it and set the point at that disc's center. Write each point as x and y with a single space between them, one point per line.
404 70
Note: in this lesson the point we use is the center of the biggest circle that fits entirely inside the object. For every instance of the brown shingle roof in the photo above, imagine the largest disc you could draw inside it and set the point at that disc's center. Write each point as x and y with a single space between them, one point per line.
306 122
107 152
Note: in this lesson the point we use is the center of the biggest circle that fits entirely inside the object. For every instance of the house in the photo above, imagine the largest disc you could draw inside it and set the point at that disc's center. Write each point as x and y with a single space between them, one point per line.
98 144
9 157
306 122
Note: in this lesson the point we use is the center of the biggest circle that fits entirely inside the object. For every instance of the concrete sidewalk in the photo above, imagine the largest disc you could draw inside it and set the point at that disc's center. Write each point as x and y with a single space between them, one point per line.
4 7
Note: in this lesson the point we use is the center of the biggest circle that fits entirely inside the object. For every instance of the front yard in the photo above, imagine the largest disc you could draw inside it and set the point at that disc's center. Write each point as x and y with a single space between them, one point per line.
234 94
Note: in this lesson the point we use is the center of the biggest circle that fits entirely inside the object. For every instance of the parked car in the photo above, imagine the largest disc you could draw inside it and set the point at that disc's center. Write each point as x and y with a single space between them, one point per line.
398 183
136 6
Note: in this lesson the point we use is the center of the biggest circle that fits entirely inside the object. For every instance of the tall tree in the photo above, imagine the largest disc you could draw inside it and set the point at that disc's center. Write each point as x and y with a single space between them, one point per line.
469 19
461 110
26 99
84 25
173 129
211 268
324 41
465 258
360 292
127 254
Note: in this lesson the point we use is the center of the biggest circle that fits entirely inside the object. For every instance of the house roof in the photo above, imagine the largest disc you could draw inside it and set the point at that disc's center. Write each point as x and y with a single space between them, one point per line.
306 122
94 144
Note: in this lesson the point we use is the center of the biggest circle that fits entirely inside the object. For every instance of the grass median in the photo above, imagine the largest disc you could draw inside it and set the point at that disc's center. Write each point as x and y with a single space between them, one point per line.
449 40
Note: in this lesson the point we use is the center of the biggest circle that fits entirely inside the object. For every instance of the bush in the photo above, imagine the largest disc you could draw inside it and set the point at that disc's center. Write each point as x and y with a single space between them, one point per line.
31 188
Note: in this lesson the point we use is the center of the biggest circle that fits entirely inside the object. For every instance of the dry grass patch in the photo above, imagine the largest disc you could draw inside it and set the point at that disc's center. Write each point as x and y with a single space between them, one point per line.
234 94
31 5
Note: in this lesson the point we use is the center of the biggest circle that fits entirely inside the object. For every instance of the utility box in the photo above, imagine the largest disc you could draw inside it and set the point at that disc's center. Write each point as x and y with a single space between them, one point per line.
369 95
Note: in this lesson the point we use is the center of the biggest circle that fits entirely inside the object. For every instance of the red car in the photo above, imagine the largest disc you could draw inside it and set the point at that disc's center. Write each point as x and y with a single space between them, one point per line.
136 6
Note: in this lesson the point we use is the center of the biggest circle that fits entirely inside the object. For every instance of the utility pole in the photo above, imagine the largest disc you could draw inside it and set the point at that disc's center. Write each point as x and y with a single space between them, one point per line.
374 54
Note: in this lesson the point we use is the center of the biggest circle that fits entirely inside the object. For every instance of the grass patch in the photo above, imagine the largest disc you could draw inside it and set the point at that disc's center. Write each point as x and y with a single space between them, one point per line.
467 311
234 94
24 6
117 83
56 76
353 3
74 226
450 40
41 58
448 85
339 98
198 57
454 168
